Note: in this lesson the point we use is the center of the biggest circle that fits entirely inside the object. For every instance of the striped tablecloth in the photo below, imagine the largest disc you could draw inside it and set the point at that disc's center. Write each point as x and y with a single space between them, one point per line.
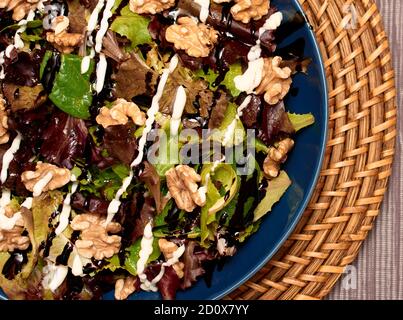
378 271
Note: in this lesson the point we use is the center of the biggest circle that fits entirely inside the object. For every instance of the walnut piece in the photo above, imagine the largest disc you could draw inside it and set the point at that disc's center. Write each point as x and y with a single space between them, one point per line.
276 81
150 6
182 184
120 113
62 40
13 239
168 248
20 8
4 136
95 241
245 10
45 177
125 287
276 156
197 39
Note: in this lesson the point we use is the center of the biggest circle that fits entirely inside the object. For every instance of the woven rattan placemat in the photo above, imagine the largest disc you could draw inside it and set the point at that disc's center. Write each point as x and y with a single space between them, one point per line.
359 154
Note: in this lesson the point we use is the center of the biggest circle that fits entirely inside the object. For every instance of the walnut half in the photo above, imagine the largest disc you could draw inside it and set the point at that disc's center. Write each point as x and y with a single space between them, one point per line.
13 239
120 113
276 80
182 184
4 136
125 287
276 156
197 39
95 240
20 8
62 40
45 177
168 248
150 6
246 10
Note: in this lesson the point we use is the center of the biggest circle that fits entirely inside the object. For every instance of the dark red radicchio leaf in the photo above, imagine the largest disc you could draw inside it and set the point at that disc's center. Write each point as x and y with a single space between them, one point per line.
251 112
23 70
193 258
89 204
30 124
64 139
169 284
98 159
275 122
152 180
147 213
121 143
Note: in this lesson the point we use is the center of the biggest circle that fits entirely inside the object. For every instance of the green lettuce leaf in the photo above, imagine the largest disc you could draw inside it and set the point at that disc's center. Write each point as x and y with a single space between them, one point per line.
300 121
249 230
134 255
104 182
216 199
46 57
30 25
133 26
71 90
210 76
274 191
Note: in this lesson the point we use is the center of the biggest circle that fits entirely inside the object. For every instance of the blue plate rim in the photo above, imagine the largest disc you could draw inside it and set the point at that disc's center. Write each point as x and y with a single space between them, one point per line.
303 206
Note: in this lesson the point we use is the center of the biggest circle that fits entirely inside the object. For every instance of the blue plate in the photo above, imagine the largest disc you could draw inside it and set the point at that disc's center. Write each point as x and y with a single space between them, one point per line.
303 166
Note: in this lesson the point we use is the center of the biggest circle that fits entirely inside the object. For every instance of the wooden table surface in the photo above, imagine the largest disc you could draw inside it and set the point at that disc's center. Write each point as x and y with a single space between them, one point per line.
378 271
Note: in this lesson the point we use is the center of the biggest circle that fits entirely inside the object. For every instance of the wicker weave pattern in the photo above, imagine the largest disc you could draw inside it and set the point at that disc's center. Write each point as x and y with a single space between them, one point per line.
359 154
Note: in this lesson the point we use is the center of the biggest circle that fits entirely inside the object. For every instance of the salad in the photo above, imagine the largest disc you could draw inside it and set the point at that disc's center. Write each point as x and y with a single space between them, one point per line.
141 142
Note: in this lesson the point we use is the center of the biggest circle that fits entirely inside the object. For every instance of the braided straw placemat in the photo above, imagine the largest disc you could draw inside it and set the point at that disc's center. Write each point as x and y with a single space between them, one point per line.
359 155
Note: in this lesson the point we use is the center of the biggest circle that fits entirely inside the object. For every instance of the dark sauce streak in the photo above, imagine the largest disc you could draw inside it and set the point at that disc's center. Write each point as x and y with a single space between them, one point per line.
63 258
49 73
240 219
14 264
48 243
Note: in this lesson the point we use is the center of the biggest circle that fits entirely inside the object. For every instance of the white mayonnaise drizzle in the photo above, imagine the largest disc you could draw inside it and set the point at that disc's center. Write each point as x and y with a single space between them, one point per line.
152 111
204 9
66 209
230 131
114 205
101 71
85 63
7 223
146 250
151 285
251 78
78 265
92 24
41 184
54 276
104 25
9 156
177 110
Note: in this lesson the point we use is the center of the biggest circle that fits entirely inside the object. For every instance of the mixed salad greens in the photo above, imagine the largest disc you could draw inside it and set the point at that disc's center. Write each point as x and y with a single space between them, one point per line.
100 103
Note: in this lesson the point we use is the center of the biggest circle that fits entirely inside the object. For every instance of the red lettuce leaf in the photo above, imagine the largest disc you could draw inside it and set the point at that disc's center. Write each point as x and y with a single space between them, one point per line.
64 140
